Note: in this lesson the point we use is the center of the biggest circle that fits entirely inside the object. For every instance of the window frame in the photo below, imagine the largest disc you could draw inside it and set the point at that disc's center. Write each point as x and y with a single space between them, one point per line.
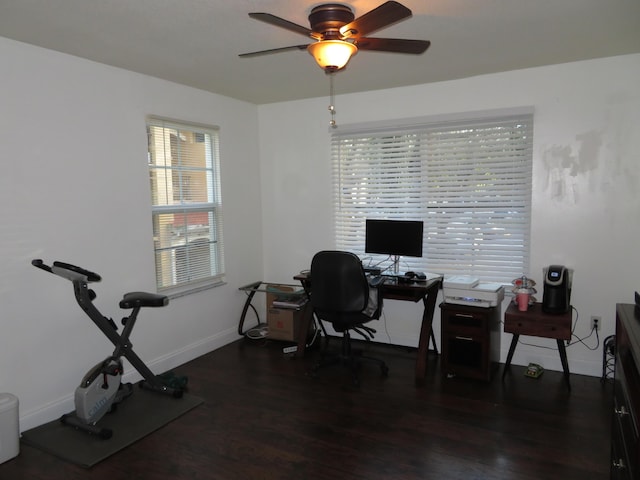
179 177
359 177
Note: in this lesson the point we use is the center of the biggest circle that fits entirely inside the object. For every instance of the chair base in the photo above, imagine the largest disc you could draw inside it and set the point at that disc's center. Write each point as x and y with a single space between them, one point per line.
351 358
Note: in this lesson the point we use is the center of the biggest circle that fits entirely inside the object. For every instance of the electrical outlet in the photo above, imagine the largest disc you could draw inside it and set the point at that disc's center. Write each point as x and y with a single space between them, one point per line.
595 322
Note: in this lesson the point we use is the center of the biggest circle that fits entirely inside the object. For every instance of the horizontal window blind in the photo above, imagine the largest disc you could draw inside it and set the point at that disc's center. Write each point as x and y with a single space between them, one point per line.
186 204
469 181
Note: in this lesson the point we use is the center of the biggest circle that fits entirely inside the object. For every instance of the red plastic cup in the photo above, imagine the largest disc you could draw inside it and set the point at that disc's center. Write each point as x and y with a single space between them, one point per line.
522 299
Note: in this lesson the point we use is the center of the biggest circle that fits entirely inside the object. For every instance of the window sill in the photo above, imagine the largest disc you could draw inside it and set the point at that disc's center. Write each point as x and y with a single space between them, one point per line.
183 290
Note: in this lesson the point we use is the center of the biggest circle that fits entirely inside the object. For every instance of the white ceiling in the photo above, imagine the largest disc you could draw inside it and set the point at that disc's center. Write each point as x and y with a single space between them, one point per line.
197 42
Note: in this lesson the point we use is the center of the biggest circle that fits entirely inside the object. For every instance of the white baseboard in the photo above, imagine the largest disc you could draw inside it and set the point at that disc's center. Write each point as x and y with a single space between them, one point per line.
55 409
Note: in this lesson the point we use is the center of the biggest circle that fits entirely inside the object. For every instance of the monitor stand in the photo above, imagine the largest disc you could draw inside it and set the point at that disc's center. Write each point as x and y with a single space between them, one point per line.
396 264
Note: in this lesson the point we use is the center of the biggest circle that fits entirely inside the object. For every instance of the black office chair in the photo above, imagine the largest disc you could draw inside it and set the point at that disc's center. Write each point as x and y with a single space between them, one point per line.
340 294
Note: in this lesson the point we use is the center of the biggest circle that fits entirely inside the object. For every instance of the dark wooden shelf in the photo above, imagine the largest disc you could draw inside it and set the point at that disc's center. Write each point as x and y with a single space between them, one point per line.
625 427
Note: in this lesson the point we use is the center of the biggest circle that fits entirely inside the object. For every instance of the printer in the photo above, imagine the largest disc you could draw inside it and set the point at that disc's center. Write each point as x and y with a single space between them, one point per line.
468 290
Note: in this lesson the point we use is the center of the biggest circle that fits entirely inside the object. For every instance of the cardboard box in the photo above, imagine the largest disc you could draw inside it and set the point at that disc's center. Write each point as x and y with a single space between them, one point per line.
283 323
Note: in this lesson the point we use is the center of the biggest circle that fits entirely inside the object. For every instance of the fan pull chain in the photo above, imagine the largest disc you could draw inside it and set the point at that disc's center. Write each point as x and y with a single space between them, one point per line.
332 108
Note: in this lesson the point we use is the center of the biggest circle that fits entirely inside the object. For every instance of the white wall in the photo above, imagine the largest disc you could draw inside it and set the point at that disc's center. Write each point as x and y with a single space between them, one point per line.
586 179
74 187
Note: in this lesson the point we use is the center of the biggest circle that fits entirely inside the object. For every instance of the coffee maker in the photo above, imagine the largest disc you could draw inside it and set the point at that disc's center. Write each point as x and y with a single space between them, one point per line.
556 297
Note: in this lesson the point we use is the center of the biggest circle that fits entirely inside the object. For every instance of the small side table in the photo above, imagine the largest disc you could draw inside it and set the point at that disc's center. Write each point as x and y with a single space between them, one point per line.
534 322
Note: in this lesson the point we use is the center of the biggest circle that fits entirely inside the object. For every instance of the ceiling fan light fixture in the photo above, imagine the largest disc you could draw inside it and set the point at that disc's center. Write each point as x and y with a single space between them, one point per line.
332 55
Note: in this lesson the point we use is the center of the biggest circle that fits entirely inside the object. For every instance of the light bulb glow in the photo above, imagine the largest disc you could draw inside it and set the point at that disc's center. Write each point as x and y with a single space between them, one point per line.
332 55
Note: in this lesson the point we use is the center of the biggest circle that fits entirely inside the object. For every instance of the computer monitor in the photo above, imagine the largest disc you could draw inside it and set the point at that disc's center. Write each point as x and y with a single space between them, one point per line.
394 237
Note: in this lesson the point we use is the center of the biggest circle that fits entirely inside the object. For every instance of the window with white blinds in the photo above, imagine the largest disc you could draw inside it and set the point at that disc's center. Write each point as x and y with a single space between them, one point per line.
186 208
468 180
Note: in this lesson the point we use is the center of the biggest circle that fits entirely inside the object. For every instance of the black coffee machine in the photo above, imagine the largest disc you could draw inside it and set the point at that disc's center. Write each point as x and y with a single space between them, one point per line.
556 297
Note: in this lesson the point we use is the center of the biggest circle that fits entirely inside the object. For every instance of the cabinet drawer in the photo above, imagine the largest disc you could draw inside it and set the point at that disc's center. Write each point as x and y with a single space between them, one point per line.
623 409
625 460
619 463
465 357
624 424
538 328
465 320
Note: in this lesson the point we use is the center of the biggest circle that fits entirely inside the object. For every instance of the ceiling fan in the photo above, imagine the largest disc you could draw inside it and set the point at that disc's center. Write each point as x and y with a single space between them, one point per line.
338 34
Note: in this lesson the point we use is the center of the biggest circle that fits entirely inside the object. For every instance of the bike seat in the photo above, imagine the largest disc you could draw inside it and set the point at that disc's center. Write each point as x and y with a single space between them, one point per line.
143 299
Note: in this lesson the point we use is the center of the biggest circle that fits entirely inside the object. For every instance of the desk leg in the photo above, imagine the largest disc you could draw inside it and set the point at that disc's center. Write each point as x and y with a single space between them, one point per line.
254 288
512 348
433 340
565 363
303 331
426 333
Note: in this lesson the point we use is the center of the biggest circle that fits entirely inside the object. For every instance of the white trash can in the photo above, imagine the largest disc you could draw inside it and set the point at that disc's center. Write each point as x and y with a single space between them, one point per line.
9 427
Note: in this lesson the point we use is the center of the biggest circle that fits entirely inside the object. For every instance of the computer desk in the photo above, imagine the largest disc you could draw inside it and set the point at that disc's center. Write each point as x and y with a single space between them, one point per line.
392 289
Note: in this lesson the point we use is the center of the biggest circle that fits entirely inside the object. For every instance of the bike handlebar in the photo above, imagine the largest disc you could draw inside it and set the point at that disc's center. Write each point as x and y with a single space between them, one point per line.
68 271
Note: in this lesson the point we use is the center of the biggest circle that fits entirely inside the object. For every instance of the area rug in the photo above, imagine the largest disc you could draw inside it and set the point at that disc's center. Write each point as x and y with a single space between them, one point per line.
139 415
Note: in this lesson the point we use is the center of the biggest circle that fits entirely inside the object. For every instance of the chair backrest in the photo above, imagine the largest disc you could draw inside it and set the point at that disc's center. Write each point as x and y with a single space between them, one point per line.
338 282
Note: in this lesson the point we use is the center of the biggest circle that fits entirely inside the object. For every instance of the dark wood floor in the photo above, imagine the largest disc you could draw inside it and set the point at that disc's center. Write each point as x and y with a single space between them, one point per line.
265 418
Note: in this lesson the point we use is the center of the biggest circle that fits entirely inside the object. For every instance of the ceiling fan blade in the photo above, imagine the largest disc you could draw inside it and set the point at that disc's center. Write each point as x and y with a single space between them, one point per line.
281 22
396 45
273 50
380 17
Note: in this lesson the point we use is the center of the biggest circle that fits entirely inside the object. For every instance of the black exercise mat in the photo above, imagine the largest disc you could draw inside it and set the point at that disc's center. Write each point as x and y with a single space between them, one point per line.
139 415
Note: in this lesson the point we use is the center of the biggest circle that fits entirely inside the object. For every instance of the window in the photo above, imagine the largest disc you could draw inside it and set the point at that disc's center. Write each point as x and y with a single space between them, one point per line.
186 205
469 180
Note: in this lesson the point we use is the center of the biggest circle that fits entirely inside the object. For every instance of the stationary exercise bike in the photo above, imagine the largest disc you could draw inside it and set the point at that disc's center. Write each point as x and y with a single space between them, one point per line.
101 388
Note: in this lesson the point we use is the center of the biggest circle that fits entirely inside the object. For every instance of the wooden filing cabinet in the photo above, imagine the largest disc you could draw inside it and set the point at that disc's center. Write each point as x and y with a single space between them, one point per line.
470 341
625 429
